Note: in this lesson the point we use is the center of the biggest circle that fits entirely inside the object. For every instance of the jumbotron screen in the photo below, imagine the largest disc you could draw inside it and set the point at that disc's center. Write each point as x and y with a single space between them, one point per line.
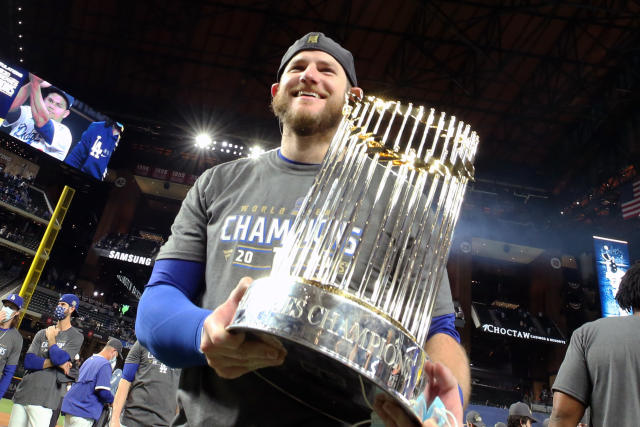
49 119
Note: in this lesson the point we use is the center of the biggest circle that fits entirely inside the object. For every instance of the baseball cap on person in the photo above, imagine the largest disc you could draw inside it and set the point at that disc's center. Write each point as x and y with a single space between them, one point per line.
318 41
521 409
70 299
475 419
117 344
46 91
14 298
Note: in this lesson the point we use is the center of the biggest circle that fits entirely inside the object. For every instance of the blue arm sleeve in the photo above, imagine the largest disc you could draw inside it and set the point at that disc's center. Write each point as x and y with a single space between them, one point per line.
129 371
104 396
47 130
167 302
57 355
7 374
444 325
33 362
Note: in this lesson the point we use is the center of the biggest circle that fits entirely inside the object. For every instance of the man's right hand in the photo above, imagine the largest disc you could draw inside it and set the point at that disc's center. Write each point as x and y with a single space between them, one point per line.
231 354
114 423
51 333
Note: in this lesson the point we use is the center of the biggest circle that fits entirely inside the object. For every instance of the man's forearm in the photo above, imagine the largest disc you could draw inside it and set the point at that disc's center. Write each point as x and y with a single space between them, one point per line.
444 349
38 110
22 95
120 398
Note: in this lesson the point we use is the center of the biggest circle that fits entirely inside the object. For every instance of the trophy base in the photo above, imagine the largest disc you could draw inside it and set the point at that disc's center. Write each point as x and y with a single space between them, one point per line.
341 352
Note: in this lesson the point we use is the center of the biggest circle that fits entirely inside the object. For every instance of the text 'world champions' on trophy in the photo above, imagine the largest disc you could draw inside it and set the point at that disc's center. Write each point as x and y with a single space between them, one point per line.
353 286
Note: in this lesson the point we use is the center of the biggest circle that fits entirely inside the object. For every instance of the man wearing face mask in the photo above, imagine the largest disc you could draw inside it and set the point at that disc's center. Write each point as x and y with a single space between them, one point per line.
10 339
84 401
49 356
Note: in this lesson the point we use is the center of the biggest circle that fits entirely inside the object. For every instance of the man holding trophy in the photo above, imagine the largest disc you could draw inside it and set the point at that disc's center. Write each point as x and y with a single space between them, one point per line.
229 227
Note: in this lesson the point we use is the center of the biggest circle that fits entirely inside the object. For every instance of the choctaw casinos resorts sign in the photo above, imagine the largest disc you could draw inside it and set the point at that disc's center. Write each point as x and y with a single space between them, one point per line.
515 333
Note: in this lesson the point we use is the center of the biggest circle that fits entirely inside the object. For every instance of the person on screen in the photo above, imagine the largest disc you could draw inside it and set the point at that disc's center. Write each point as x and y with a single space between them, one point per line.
93 152
601 369
39 124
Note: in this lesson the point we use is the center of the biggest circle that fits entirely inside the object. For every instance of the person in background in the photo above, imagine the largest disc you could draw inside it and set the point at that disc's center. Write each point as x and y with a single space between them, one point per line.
601 368
10 339
48 359
146 394
85 400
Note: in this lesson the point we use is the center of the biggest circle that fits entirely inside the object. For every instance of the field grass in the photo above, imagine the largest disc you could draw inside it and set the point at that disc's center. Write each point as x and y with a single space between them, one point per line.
6 405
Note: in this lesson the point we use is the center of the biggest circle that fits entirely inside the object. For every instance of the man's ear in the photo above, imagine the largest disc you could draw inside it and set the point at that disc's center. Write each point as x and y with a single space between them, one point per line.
274 89
357 92
65 114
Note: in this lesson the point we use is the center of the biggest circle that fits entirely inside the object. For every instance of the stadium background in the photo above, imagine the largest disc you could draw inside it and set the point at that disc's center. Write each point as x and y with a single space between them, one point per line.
550 88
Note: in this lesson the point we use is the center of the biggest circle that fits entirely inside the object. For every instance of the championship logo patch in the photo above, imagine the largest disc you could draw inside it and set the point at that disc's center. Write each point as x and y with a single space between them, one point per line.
313 39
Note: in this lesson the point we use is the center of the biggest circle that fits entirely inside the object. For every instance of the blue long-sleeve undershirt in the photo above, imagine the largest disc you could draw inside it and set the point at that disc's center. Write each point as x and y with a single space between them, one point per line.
33 362
57 355
167 302
129 371
7 374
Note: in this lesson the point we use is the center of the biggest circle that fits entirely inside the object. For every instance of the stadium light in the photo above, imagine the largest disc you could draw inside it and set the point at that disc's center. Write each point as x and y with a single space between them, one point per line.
255 151
203 140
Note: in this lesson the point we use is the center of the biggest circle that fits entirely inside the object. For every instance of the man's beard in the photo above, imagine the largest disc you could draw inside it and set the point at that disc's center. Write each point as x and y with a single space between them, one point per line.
304 123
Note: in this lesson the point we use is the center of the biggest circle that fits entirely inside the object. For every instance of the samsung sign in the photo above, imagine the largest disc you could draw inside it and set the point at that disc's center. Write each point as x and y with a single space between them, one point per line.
135 259
492 329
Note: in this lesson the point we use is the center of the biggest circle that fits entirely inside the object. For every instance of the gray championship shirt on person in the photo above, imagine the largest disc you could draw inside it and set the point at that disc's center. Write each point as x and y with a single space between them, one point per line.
602 370
232 220
10 347
41 387
152 396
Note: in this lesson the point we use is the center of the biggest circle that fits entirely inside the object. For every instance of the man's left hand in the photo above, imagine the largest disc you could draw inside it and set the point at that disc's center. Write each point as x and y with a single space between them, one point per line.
441 384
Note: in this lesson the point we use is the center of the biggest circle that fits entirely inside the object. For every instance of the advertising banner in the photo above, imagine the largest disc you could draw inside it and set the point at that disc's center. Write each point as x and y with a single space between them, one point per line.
612 261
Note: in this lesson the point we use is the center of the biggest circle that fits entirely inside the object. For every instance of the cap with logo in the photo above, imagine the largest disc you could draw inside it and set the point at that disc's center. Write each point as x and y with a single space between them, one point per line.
474 418
72 300
15 299
318 41
521 409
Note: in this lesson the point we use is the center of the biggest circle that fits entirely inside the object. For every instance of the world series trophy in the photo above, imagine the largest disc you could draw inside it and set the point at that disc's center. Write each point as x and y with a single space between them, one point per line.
353 286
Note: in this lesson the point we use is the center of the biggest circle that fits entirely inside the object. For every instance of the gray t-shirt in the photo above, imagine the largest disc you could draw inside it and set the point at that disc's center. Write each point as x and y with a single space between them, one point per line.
231 220
41 387
10 347
602 370
152 397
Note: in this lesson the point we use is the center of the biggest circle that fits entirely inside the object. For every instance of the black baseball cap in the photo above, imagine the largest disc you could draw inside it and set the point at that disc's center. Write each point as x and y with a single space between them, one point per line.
318 41
521 409
475 419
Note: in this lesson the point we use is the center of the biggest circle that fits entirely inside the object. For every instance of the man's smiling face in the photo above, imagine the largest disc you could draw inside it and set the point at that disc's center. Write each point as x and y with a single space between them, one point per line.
310 95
